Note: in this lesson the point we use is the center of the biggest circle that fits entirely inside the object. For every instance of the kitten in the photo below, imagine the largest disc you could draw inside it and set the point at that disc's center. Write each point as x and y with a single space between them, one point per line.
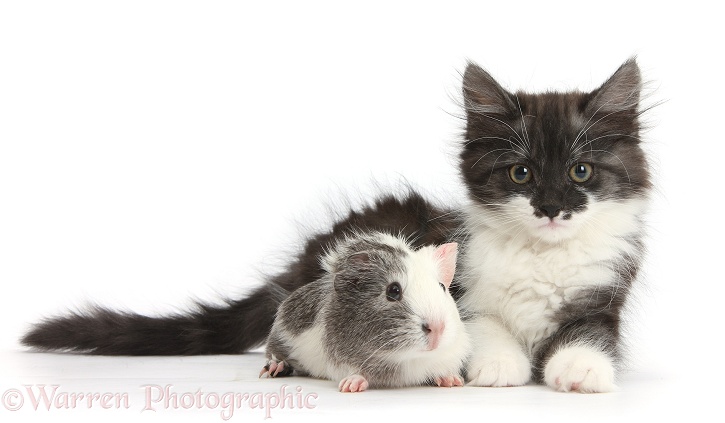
551 244
558 184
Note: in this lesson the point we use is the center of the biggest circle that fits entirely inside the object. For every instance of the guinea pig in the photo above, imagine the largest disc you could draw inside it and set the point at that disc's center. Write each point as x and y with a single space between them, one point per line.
380 317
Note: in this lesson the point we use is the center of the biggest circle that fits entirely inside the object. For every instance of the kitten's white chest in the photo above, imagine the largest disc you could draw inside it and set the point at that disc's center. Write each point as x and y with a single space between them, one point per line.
526 283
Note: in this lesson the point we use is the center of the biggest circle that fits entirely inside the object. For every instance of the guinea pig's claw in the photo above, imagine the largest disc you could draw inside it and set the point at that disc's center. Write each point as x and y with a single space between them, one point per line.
278 369
353 383
275 368
265 370
272 368
449 381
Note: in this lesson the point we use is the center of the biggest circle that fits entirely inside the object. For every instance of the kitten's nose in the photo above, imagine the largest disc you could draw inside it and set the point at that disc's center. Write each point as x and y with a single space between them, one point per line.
551 211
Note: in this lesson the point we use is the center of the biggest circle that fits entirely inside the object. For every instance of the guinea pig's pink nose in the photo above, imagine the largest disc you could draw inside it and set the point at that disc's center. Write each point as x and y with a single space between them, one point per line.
434 331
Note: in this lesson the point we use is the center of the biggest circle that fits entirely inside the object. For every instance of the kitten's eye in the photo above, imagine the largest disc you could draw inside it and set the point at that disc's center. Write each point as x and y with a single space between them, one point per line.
520 174
394 292
443 287
580 172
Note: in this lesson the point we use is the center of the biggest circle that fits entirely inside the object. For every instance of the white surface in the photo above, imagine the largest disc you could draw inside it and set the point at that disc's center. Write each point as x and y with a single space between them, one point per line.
151 152
643 395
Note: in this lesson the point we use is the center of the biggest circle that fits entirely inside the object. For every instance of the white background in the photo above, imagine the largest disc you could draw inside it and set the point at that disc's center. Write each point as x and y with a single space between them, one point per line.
153 152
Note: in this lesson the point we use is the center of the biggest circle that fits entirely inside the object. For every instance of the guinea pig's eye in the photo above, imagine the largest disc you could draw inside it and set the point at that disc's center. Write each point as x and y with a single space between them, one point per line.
580 172
394 292
443 287
520 174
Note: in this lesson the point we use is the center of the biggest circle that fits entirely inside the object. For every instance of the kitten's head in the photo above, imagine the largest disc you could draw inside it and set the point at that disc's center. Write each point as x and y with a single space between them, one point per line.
549 165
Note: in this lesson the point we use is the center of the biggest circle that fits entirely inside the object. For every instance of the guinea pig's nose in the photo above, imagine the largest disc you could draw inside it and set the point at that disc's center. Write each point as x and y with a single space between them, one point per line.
433 327
433 331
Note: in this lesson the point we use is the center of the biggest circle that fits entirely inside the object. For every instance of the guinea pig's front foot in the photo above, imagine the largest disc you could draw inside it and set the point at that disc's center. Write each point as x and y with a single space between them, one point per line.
353 383
449 381
275 368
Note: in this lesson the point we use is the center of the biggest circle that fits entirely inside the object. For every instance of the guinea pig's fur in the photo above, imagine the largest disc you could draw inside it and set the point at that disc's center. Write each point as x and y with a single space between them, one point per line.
355 326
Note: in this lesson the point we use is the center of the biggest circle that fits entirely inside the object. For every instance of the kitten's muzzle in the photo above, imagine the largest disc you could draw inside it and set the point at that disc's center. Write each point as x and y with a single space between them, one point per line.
550 210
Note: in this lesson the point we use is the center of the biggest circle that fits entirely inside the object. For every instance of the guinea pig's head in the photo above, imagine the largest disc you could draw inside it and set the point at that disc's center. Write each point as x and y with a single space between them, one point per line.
397 300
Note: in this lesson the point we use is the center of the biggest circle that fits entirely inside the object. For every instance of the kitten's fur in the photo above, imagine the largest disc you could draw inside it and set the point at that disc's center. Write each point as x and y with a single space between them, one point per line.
241 324
545 300
549 262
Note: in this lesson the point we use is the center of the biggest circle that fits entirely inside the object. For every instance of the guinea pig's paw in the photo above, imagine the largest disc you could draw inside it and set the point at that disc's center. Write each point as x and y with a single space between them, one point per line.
353 383
449 381
580 369
510 368
275 368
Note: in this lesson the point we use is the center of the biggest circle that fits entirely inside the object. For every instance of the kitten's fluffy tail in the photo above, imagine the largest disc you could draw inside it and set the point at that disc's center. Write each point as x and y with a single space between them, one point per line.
230 329
239 325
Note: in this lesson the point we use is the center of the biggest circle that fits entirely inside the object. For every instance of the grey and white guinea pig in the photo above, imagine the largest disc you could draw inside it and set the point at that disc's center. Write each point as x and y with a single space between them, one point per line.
380 317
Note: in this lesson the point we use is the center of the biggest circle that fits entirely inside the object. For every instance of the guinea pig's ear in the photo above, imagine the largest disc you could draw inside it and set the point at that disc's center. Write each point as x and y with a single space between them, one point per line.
356 265
446 255
359 260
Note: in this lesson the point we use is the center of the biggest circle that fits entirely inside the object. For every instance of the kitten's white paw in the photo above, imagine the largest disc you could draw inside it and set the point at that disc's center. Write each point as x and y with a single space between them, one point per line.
353 383
580 369
510 368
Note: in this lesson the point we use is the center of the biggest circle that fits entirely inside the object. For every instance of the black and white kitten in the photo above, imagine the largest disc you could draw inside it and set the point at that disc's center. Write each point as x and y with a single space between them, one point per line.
552 240
558 185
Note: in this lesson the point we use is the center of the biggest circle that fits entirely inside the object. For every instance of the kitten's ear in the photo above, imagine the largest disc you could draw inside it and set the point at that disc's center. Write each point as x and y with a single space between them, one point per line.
620 93
483 95
446 255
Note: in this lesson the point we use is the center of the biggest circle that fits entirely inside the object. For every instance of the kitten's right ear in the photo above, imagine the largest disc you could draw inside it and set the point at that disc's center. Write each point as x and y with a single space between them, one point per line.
483 95
620 93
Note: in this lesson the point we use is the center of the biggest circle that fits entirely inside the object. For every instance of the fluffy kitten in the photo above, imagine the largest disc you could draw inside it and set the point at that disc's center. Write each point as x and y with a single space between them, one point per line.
552 243
558 184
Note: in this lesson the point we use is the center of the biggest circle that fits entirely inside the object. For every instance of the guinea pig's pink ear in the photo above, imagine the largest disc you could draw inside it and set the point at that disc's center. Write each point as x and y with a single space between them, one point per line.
349 276
361 259
446 255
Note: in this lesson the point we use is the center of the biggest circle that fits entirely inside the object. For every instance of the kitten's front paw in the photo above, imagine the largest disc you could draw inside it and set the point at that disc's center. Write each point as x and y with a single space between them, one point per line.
580 369
449 381
353 383
275 368
510 368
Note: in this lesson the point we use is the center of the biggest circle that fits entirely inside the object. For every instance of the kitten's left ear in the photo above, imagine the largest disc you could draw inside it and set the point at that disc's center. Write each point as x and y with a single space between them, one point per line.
620 93
483 95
